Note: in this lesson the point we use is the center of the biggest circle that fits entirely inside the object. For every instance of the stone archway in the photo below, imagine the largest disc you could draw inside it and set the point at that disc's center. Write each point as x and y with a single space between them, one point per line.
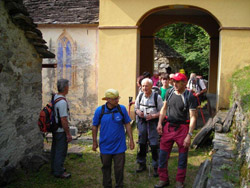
155 19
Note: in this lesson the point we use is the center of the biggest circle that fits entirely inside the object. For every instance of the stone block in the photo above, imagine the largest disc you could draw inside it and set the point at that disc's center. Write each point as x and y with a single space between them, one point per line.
202 175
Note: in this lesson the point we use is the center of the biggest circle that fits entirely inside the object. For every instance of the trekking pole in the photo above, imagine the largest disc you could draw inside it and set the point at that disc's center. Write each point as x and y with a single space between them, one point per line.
202 115
137 149
148 150
130 99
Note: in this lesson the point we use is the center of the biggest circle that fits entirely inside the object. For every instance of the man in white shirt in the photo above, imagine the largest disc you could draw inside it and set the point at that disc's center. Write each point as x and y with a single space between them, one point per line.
197 86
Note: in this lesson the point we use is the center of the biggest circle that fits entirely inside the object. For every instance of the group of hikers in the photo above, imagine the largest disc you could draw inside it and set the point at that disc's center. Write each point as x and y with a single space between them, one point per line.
166 113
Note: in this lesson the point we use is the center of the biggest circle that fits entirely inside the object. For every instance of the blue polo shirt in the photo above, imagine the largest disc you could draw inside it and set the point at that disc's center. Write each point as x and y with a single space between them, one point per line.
112 133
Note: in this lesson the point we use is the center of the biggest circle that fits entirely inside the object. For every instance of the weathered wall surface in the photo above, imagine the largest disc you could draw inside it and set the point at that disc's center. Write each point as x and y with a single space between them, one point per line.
75 49
20 98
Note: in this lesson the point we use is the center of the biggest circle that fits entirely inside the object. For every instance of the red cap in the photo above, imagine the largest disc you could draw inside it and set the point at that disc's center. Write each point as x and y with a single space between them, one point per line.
180 77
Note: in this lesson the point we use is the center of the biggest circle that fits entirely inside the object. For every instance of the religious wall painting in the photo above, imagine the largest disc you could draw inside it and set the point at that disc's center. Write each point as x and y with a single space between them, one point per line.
66 49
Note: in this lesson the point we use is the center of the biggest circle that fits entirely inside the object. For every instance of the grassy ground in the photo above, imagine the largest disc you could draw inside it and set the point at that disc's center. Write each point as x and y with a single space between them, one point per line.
86 171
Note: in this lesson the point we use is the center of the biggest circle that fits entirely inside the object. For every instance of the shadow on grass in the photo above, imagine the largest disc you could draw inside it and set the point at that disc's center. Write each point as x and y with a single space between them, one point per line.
86 172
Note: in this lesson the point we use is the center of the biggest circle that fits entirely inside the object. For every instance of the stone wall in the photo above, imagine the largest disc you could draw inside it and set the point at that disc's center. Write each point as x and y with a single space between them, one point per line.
21 142
230 163
240 129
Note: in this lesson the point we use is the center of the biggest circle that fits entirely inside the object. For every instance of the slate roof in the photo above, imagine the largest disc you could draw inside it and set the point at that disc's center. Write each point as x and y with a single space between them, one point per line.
20 17
169 52
63 11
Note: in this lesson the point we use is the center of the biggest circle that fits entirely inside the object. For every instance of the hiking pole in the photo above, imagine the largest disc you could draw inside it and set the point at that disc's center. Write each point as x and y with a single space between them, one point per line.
130 99
148 149
137 151
130 103
202 115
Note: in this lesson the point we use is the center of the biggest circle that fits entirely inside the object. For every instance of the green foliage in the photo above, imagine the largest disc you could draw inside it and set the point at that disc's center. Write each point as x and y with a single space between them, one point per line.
241 80
192 42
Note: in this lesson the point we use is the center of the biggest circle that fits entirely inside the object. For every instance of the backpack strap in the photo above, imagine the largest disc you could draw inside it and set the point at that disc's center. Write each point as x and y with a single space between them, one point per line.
120 111
170 94
57 110
103 112
186 96
155 99
140 97
198 84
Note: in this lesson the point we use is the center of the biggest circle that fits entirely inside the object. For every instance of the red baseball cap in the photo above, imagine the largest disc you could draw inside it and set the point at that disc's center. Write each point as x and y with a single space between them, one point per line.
179 77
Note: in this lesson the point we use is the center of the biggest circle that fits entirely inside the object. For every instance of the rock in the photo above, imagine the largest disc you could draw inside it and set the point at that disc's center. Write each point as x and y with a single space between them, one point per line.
203 135
202 175
228 121
33 163
7 174
218 127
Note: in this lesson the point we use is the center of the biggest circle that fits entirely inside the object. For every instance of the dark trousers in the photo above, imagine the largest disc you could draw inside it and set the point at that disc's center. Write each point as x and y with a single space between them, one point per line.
141 156
58 152
119 161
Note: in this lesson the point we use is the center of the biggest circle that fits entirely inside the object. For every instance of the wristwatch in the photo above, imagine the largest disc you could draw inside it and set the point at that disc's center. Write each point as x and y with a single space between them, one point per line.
191 134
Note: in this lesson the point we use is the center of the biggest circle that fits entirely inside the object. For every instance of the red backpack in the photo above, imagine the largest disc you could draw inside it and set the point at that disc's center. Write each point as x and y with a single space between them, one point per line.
46 121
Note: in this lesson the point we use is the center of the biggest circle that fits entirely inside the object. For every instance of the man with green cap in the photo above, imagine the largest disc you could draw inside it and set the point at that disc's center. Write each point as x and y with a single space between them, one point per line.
112 117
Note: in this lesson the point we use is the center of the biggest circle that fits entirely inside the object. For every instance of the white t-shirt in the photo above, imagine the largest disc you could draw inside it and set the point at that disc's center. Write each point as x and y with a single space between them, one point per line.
62 106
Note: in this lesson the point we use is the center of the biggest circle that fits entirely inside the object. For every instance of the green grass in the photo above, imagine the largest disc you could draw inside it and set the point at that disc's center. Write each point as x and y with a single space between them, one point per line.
241 80
86 171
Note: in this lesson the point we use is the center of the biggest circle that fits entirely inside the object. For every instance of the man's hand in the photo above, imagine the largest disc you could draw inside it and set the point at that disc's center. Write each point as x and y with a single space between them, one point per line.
94 146
69 138
187 141
131 144
159 128
140 114
149 117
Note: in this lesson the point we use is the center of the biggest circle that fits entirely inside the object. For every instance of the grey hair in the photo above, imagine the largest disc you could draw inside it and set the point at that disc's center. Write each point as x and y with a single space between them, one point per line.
145 80
61 84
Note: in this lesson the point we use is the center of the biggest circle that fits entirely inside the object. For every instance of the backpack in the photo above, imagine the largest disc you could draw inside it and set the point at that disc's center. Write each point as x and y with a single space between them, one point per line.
47 121
111 112
156 89
203 95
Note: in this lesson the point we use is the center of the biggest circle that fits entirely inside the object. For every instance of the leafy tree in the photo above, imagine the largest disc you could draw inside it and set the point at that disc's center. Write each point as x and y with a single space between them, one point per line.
192 42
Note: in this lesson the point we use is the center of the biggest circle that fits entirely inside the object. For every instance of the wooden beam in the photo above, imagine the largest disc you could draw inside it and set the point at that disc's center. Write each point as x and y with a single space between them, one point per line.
54 65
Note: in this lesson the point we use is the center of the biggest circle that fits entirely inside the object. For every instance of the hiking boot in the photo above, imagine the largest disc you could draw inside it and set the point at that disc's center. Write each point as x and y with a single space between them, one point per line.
141 167
162 184
179 184
155 174
65 175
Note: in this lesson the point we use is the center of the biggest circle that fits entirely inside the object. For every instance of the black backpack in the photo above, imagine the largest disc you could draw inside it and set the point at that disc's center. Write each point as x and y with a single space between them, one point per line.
111 112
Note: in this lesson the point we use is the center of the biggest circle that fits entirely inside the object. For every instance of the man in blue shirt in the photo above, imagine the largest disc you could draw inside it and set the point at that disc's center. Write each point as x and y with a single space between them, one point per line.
112 117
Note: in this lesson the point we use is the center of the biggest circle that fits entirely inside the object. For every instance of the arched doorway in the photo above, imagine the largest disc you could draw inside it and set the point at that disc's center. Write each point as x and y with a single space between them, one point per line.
126 30
157 18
